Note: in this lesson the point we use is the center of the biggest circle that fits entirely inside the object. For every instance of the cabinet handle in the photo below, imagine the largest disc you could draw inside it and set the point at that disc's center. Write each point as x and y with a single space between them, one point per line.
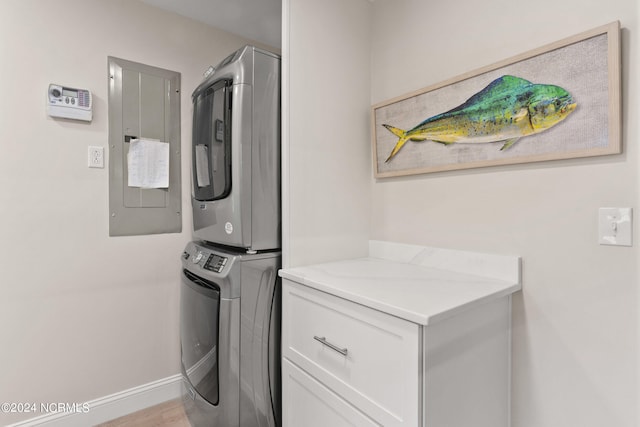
323 341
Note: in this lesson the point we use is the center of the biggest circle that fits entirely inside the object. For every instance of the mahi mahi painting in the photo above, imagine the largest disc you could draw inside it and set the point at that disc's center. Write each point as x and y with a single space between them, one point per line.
508 109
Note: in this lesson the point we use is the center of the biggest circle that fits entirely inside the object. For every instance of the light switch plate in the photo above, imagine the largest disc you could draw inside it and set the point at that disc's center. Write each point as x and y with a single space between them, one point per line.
614 226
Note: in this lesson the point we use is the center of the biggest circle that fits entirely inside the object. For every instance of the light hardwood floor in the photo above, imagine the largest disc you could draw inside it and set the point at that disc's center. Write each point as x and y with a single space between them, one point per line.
168 414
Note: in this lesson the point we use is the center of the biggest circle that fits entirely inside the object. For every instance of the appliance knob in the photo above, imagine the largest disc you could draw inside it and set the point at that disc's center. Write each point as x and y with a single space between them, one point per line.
56 92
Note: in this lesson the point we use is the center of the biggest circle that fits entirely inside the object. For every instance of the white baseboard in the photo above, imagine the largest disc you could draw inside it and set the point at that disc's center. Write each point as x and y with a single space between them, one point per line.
113 406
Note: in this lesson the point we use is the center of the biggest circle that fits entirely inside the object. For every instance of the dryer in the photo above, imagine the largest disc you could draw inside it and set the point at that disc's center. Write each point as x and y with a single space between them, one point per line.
236 152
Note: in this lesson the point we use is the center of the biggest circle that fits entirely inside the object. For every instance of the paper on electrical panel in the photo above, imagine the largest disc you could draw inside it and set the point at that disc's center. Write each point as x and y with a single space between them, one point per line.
148 164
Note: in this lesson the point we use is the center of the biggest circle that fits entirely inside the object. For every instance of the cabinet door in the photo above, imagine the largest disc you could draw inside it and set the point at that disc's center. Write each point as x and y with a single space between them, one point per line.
308 403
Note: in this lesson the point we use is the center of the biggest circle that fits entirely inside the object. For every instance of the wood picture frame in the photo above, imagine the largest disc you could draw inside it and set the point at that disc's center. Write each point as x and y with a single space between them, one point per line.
586 65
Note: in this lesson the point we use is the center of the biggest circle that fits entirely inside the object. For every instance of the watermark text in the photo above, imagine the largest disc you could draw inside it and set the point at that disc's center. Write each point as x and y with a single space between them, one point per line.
44 407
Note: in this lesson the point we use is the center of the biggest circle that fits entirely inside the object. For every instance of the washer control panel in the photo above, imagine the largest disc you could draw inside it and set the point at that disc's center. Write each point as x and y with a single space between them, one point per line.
197 257
215 263
206 259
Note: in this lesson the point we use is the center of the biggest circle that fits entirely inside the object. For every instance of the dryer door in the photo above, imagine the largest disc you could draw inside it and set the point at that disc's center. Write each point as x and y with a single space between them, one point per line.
212 142
199 332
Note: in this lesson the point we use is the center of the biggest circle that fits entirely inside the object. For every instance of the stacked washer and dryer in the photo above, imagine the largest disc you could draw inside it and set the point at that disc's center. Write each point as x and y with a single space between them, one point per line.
230 296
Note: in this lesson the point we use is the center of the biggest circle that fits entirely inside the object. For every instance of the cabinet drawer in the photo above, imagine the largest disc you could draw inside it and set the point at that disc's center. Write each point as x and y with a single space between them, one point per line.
311 404
380 370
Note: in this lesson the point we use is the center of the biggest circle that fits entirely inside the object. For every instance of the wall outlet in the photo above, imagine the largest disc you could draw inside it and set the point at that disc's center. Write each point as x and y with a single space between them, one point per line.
96 157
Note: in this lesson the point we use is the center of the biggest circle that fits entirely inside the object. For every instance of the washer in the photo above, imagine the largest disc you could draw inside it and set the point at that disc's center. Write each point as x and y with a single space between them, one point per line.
230 336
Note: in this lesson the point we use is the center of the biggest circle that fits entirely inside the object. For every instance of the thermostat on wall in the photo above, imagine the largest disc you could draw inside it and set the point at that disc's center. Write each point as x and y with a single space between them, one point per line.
69 103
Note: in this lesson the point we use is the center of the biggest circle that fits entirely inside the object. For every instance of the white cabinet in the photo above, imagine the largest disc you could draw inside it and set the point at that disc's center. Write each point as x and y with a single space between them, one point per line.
373 342
369 358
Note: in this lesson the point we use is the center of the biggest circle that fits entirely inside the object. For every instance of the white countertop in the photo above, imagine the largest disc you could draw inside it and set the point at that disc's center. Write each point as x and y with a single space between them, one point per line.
419 284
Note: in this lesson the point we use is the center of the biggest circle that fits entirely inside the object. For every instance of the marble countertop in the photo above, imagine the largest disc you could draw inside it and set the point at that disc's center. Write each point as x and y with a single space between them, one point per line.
419 284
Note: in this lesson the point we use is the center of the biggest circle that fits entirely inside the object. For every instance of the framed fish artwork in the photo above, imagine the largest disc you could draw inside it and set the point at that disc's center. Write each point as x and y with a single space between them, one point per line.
559 101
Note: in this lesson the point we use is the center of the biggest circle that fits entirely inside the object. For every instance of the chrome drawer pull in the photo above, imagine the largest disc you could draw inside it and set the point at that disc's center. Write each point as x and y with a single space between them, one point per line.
323 341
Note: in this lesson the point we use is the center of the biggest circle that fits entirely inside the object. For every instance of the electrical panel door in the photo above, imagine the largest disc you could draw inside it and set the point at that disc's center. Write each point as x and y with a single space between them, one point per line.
144 104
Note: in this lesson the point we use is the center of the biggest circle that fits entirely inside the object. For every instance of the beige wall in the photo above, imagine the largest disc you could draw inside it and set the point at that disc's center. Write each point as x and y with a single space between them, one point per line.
575 336
325 130
83 315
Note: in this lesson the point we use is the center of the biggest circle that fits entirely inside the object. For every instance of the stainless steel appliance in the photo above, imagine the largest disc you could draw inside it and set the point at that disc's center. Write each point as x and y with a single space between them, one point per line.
230 301
230 339
236 152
